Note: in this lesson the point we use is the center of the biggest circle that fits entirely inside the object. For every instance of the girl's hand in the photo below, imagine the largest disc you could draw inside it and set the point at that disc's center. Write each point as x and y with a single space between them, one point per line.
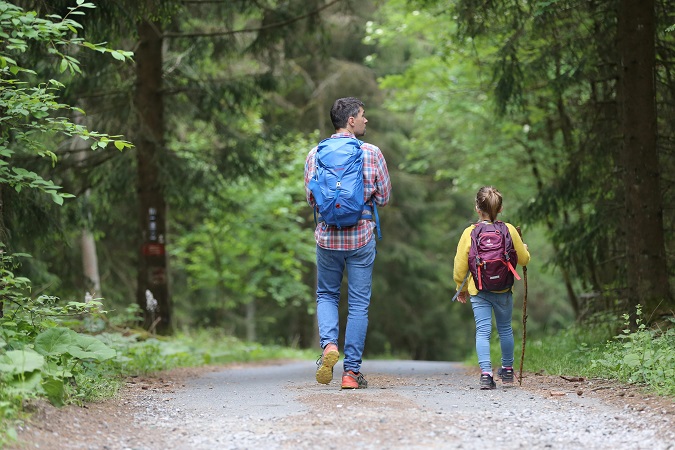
462 297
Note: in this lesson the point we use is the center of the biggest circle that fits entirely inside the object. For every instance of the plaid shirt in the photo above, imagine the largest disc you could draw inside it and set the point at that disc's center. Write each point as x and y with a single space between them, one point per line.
376 187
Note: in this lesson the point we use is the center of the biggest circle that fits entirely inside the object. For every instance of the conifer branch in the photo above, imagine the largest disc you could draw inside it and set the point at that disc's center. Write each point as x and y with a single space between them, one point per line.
252 30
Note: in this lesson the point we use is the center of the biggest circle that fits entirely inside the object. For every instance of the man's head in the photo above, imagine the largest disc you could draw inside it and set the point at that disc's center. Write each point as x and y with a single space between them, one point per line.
347 113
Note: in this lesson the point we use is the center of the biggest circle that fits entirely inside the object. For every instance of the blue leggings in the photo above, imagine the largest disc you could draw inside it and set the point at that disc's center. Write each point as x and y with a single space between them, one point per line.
483 304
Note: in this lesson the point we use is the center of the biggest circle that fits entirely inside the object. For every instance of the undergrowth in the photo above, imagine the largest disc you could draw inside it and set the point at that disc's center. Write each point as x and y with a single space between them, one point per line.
643 356
76 353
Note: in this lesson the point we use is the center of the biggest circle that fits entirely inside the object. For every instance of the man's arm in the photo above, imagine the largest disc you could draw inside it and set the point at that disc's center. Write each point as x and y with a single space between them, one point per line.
382 181
309 173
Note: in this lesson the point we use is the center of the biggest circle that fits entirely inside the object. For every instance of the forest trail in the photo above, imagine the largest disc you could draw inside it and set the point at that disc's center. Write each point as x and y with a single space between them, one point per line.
409 404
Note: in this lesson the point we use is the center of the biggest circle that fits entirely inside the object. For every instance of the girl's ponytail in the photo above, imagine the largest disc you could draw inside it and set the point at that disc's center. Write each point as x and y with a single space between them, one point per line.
489 201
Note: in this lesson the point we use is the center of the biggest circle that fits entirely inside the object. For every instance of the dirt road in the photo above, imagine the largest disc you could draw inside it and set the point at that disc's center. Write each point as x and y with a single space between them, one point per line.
408 405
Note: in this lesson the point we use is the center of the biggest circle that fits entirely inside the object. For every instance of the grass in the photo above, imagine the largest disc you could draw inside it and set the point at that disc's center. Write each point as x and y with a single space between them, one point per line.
193 348
568 352
642 356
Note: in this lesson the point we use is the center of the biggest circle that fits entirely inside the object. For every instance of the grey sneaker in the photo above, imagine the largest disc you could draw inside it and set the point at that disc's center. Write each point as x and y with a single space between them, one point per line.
506 374
487 382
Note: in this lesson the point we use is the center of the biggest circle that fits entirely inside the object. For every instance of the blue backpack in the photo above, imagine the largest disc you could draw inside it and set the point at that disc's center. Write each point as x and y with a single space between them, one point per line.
337 185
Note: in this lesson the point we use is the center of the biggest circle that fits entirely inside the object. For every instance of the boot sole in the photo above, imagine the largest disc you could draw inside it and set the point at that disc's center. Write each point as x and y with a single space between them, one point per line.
324 374
346 386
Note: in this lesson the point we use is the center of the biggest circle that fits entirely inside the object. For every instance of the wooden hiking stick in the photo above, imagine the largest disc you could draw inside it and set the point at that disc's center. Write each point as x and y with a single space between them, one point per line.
522 353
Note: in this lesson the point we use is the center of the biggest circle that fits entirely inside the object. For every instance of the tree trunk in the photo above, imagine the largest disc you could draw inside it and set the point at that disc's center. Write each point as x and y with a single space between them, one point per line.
90 272
251 335
646 264
153 279
92 278
3 239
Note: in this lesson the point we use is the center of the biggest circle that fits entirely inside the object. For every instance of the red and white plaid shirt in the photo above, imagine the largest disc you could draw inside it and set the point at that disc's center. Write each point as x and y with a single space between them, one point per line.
376 187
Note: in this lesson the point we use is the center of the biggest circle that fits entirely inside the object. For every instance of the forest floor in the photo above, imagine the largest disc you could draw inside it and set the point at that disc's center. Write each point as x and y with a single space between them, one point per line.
149 414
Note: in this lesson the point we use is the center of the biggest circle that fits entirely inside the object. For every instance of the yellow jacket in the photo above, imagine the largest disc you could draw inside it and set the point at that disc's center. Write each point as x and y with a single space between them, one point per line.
462 257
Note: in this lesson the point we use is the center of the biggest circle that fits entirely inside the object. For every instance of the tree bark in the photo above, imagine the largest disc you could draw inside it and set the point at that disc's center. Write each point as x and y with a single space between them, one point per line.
90 272
3 239
647 265
251 335
153 280
92 277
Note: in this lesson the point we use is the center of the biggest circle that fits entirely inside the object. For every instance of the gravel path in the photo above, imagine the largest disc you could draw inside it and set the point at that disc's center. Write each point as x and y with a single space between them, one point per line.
409 404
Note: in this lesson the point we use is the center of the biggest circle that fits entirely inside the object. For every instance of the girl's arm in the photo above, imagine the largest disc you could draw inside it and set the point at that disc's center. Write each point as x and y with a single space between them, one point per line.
462 258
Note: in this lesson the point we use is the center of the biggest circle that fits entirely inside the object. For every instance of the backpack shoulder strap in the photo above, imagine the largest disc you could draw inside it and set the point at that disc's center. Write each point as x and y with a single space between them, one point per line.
508 246
478 227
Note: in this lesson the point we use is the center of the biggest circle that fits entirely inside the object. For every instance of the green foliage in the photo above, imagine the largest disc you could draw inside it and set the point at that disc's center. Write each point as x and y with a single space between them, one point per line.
515 94
41 357
31 110
452 143
56 363
566 352
189 348
445 92
645 356
251 245
38 356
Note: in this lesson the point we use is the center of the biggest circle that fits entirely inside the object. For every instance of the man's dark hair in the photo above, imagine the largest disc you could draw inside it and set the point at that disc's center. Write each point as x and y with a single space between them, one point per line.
343 109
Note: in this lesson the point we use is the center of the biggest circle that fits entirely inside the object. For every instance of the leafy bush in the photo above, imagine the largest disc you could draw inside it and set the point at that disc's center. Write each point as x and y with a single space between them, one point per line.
38 356
645 356
42 358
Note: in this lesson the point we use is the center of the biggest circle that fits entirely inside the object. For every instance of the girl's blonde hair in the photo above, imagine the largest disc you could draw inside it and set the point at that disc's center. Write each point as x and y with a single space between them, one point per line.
489 201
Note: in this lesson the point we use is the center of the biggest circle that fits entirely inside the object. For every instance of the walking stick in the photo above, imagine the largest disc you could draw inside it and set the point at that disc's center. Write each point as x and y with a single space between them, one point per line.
522 354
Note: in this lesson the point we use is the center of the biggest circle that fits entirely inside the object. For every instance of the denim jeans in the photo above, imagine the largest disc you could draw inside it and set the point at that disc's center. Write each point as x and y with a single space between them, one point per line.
330 267
483 304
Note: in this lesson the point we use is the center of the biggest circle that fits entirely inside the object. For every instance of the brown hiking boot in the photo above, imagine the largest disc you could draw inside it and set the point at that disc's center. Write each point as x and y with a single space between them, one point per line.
325 363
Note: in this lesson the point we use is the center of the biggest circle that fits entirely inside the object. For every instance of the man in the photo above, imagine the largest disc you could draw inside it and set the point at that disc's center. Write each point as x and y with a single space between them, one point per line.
352 247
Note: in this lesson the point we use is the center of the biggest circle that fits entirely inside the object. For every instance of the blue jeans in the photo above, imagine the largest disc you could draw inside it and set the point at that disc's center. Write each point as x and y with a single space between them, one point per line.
483 304
330 266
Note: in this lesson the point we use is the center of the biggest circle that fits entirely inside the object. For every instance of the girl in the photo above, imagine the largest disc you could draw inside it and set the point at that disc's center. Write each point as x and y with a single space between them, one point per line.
484 302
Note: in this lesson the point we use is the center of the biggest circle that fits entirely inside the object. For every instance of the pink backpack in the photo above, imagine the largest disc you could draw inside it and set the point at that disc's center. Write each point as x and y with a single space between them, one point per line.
492 258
